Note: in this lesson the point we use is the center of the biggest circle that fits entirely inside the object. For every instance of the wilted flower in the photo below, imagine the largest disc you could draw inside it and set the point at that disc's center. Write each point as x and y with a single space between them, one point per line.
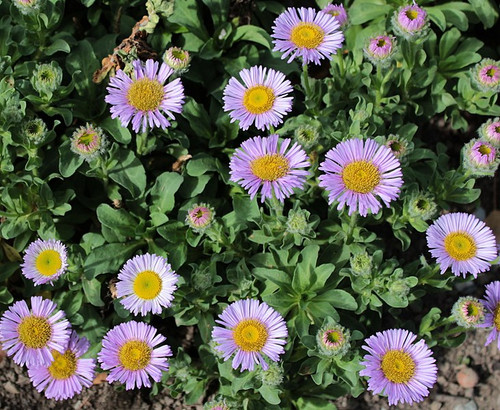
28 6
272 376
88 142
307 34
463 242
492 317
306 135
361 264
251 330
261 163
480 158
338 12
410 22
177 59
421 206
216 405
263 99
31 335
47 78
143 98
380 50
490 131
34 131
397 367
131 354
486 75
297 222
468 312
333 340
200 217
44 261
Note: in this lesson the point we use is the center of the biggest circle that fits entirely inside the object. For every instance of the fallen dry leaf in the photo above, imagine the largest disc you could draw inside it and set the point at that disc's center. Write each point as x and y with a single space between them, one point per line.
177 165
100 378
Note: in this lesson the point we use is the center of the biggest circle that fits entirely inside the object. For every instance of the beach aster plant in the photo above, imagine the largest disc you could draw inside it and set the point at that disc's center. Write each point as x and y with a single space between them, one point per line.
338 12
492 317
67 374
146 283
307 34
463 242
357 171
262 99
44 261
410 22
30 335
251 331
395 366
261 162
131 353
143 98
490 131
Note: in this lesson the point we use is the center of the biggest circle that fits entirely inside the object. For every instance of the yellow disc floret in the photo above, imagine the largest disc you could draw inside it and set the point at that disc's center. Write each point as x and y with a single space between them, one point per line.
484 149
48 262
412 14
496 317
361 176
307 35
398 366
147 285
145 94
134 355
258 99
34 332
460 246
270 167
250 335
63 366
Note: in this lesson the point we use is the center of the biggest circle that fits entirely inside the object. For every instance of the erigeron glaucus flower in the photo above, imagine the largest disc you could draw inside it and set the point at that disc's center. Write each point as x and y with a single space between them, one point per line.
402 370
132 355
143 98
492 317
338 12
307 34
333 340
44 261
251 331
357 171
67 374
262 99
480 158
88 142
146 283
34 131
380 49
200 217
486 75
490 131
30 335
410 22
463 242
261 163
46 78
468 312
177 59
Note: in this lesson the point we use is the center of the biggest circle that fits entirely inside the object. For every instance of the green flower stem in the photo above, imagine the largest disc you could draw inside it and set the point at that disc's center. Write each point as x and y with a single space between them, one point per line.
141 139
352 224
305 80
339 58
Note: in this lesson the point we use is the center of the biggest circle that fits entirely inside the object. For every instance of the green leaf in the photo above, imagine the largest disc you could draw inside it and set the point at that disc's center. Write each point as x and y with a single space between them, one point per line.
187 14
362 11
449 42
278 277
314 403
254 34
120 133
117 219
200 164
198 118
338 298
129 172
108 258
270 394
162 192
92 290
81 64
486 10
219 10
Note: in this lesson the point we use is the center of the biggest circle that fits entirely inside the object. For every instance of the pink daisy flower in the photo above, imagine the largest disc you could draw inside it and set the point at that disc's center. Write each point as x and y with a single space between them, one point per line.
492 317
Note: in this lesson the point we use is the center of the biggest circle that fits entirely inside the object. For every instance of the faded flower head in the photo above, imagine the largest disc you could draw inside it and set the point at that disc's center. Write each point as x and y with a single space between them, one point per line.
490 131
34 131
410 22
421 206
47 78
219 404
468 312
177 59
380 50
306 135
28 6
338 12
361 264
200 217
297 222
88 142
480 158
486 75
333 340
272 376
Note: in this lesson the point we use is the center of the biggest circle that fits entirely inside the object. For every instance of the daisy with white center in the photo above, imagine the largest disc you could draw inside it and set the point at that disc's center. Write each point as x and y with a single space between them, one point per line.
44 261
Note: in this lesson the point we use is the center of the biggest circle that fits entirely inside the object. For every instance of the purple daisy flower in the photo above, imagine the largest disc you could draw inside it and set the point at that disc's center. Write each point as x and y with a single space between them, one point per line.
490 131
67 374
380 49
482 153
463 242
492 317
410 21
259 162
261 100
338 12
397 367
130 352
200 217
146 283
356 171
44 261
30 335
486 75
468 312
141 97
88 142
305 33
252 329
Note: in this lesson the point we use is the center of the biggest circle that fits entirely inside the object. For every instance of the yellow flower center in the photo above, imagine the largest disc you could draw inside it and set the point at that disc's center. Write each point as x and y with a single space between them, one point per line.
48 262
496 317
460 246
491 72
473 310
398 366
270 167
307 35
412 14
258 99
484 150
145 94
63 366
250 335
147 284
380 42
34 332
86 138
361 176
334 337
134 355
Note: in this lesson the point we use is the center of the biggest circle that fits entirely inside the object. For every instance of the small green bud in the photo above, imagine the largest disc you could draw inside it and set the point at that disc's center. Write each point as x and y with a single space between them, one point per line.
421 206
333 340
468 312
47 78
361 264
177 59
34 131
297 222
200 217
273 376
306 135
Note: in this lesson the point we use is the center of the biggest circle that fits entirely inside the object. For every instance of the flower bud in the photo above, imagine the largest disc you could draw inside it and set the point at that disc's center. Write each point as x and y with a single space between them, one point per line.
480 158
273 376
177 59
297 222
380 50
486 75
88 142
490 131
410 22
361 264
34 131
421 206
333 340
47 78
200 217
28 6
468 312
